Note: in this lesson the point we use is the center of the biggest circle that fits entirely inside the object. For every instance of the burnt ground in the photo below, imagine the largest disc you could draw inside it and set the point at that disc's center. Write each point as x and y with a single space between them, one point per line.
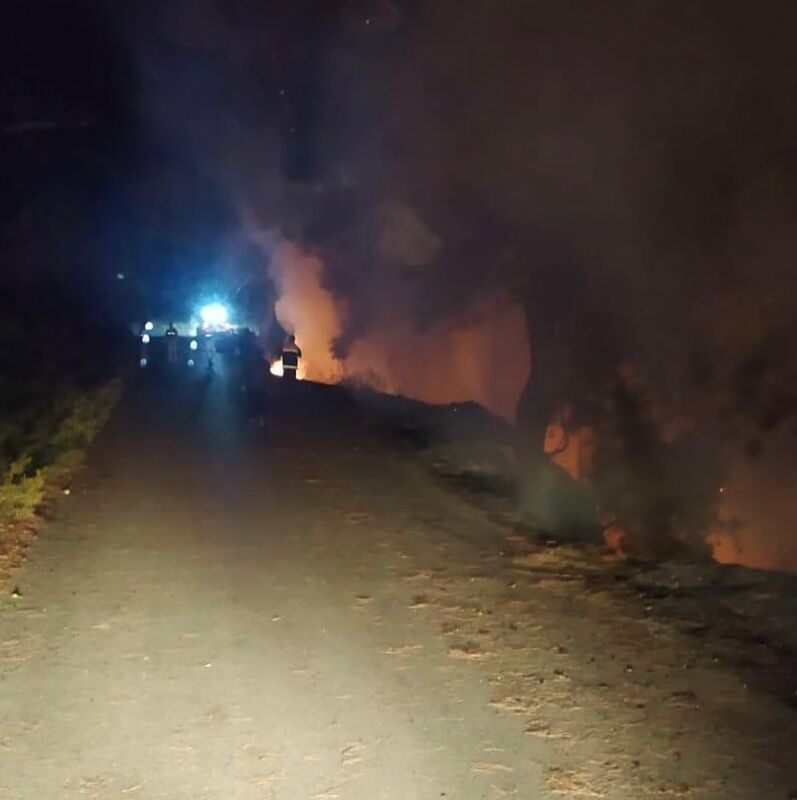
343 605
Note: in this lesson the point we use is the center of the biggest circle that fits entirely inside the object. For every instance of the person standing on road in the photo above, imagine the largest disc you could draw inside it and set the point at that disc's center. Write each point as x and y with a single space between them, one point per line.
291 353
210 350
247 351
257 389
144 340
172 343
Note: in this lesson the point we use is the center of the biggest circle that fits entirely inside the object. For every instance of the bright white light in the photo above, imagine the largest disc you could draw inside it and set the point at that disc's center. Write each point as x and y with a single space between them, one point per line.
214 314
190 362
148 326
145 338
143 363
194 344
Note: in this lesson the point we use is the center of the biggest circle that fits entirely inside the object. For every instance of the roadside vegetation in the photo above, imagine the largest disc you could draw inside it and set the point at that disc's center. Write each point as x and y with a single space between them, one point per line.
56 393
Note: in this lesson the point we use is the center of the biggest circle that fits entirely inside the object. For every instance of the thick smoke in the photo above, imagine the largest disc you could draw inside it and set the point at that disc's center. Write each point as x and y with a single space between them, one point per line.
454 172
627 175
645 146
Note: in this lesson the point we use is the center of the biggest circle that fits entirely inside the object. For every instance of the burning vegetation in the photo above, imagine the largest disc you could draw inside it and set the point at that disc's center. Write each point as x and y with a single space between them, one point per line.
587 242
631 468
479 357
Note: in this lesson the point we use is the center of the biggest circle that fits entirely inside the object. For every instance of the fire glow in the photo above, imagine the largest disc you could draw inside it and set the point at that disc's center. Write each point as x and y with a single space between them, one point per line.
277 370
484 359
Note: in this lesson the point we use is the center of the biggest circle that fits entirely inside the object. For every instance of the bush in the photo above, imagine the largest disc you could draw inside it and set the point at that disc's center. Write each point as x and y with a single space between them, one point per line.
42 442
87 413
20 492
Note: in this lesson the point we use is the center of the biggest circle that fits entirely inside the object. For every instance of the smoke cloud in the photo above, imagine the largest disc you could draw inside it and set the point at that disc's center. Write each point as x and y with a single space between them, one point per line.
437 175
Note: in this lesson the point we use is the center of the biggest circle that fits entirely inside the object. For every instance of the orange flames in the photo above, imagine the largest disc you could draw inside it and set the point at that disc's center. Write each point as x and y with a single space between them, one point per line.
484 359
306 309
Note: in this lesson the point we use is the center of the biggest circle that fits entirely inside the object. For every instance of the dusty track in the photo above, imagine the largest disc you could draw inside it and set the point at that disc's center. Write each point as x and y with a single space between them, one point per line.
303 613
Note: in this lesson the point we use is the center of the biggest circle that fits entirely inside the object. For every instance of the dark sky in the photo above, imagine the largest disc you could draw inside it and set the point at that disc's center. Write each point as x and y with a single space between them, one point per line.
649 146
119 120
89 188
67 141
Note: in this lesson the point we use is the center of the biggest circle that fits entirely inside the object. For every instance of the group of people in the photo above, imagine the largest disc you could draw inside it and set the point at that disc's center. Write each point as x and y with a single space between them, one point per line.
203 348
251 367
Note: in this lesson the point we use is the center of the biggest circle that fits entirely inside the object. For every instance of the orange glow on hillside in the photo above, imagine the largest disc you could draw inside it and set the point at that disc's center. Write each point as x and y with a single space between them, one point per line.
758 507
484 359
306 309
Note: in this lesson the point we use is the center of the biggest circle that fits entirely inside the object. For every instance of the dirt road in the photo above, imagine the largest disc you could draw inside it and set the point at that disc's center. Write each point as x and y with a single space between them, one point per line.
219 612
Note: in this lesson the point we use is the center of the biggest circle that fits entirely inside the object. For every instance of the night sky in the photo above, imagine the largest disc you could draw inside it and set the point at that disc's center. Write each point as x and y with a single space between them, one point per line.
614 171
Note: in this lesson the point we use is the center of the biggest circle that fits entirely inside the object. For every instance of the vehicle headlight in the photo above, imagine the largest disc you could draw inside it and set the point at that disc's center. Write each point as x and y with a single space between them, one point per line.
214 314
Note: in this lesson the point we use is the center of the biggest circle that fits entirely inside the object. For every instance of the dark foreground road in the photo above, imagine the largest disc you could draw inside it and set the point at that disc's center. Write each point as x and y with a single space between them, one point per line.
305 614
216 614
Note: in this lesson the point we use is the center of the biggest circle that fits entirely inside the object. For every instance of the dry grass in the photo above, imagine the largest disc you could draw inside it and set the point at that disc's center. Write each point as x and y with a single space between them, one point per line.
351 755
543 731
421 575
402 649
489 768
467 652
357 517
566 561
513 704
268 780
31 482
571 783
